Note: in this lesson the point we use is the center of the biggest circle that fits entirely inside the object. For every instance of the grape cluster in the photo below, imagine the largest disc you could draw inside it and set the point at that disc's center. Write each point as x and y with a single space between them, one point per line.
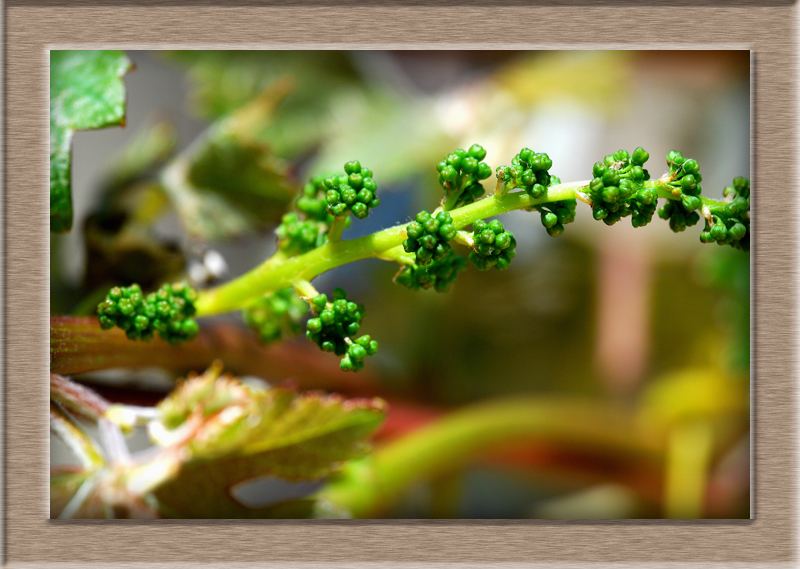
307 228
353 192
297 236
312 203
439 274
276 315
555 215
685 178
494 247
529 170
428 237
167 311
333 326
731 221
460 174
617 189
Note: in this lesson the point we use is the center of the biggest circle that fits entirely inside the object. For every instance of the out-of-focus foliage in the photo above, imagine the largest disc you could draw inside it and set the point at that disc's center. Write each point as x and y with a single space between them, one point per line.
121 246
214 432
229 183
595 79
86 92
728 271
279 117
227 80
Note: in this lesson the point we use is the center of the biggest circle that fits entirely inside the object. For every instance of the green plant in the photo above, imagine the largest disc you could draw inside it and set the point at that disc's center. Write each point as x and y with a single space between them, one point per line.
216 431
308 247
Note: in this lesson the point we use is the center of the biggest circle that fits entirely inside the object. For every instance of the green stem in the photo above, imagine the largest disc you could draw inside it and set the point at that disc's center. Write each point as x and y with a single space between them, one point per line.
451 200
337 227
689 454
270 276
399 255
305 290
367 487
464 238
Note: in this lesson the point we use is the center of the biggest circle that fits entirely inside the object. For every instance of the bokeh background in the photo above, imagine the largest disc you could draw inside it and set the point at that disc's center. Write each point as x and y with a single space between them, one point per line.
645 319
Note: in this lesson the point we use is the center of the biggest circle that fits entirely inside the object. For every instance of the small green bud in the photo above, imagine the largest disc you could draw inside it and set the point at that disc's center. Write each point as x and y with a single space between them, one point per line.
640 156
353 167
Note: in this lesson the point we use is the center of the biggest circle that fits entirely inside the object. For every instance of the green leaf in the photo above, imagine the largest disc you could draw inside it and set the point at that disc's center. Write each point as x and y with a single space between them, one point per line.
240 433
226 80
230 183
86 92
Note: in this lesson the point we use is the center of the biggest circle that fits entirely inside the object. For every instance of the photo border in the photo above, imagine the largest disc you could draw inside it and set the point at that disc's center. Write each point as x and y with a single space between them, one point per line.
31 27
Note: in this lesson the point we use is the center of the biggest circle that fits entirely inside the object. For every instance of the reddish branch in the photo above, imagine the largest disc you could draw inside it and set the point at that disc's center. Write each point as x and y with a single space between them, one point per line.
78 345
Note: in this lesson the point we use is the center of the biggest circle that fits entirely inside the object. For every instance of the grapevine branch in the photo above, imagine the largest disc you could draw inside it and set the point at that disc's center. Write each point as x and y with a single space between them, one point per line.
270 276
276 295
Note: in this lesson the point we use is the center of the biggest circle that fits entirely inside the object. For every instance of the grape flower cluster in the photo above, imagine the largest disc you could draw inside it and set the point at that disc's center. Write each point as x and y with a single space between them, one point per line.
684 181
334 325
460 174
617 189
731 221
494 246
276 315
439 274
307 228
354 192
529 170
429 237
168 311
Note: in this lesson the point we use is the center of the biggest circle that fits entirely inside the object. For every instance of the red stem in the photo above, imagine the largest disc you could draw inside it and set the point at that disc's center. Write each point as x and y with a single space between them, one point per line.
79 345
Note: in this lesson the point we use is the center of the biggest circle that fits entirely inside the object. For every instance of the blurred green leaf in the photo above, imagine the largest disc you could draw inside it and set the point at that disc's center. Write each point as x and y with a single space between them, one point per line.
150 148
227 80
86 92
239 433
229 183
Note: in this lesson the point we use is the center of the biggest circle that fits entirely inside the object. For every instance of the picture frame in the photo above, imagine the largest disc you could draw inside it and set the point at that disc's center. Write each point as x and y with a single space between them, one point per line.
32 27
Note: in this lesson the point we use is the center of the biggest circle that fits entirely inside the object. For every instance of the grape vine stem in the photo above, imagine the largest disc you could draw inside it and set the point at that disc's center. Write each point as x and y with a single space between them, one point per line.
270 276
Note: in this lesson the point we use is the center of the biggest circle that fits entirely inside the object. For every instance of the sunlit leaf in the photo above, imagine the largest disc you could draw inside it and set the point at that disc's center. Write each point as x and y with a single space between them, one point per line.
216 432
86 92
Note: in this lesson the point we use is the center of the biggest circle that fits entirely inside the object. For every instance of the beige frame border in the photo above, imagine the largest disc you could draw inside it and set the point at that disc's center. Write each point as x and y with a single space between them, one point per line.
770 31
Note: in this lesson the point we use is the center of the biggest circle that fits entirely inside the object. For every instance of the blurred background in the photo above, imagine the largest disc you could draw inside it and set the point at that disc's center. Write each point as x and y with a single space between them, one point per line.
646 320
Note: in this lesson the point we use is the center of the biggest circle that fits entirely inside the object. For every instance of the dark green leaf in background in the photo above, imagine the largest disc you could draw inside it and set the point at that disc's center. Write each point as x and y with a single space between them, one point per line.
229 183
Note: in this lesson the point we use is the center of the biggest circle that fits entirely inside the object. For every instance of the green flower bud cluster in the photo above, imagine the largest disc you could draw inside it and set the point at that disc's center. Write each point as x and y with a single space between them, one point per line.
439 274
731 221
529 171
312 202
494 246
333 327
297 236
555 215
307 228
617 189
167 311
354 192
276 315
685 181
428 237
460 174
